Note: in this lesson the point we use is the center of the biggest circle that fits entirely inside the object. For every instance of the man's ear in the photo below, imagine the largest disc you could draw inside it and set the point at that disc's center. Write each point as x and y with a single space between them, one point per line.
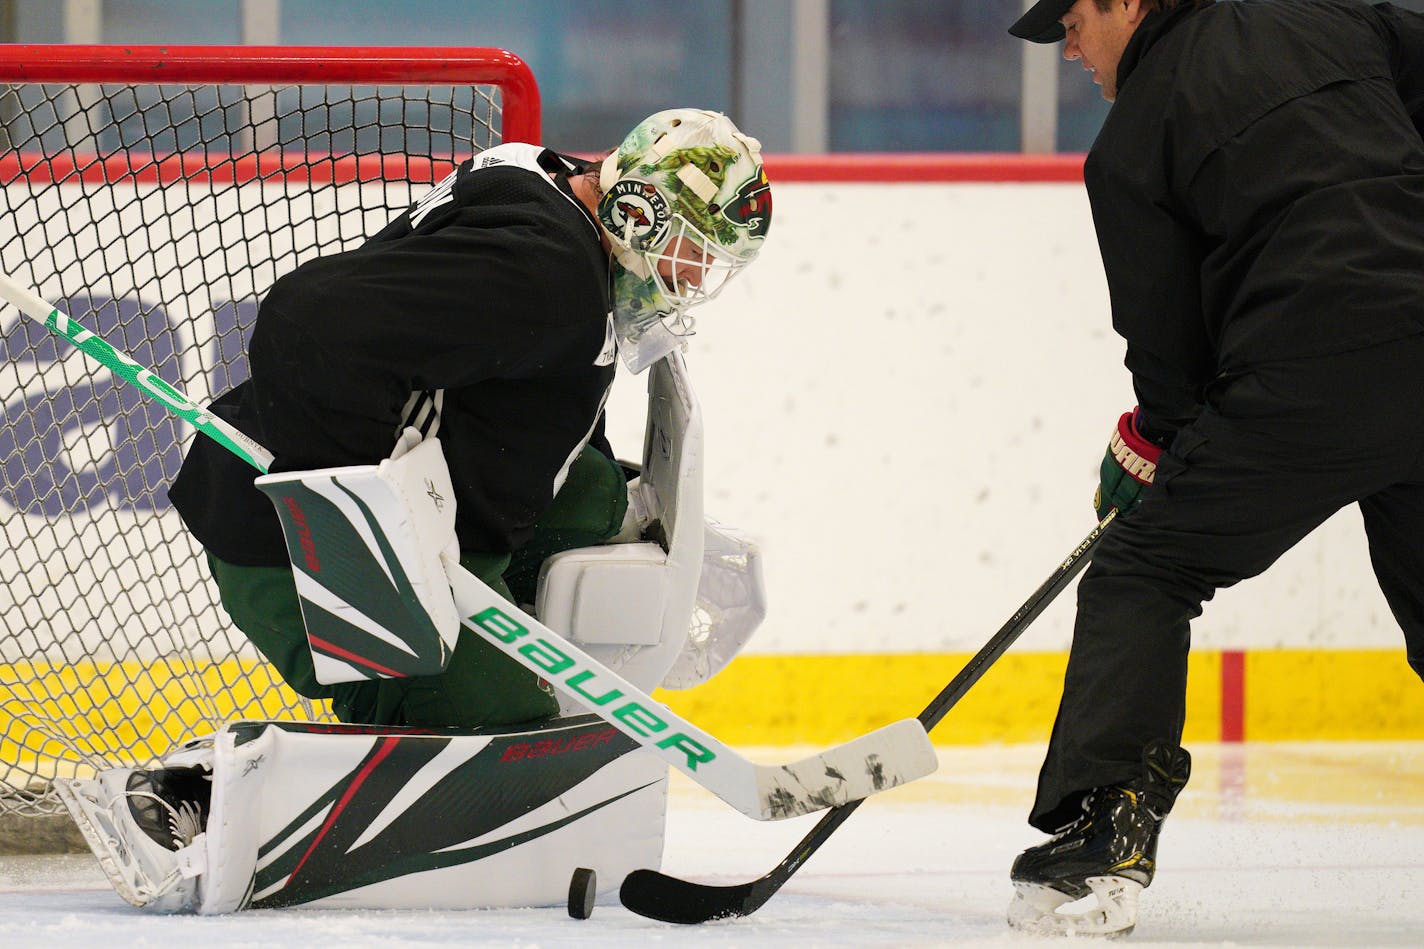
1135 11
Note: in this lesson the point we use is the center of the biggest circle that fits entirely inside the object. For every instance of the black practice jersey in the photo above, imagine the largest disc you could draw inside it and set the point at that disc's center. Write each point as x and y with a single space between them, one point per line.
489 296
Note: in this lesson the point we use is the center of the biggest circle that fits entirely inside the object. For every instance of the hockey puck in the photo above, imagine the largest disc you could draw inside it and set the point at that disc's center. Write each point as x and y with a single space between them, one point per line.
583 887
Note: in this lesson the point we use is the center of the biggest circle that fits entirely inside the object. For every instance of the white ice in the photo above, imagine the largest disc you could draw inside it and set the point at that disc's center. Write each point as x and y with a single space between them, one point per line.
1271 845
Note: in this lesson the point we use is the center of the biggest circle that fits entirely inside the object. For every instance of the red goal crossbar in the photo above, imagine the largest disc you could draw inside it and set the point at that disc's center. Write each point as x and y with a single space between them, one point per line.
294 65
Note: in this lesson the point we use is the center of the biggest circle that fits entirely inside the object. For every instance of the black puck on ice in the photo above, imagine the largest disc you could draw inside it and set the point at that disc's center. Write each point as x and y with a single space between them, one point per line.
583 887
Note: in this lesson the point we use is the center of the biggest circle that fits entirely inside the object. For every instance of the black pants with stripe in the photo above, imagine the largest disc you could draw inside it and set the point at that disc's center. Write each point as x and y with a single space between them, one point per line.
1275 453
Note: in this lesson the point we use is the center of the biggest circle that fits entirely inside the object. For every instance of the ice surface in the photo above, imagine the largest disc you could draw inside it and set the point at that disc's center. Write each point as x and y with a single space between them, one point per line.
1271 845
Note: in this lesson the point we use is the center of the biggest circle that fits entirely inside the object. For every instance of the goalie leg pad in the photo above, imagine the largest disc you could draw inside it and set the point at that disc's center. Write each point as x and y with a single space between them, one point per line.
366 817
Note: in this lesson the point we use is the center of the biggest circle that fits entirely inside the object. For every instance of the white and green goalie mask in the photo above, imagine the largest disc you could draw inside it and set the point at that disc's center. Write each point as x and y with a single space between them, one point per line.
686 205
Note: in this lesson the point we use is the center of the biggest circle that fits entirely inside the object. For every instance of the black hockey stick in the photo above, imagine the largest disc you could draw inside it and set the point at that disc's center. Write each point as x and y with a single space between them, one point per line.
659 896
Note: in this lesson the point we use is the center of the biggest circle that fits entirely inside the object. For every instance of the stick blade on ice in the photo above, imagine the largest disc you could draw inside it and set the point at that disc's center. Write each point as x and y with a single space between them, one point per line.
659 896
670 900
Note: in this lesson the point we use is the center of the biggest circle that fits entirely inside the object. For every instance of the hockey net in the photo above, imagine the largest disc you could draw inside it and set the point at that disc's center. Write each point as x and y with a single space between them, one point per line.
157 215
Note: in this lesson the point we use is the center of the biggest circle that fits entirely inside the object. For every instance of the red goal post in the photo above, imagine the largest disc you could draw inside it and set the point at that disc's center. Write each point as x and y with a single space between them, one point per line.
156 192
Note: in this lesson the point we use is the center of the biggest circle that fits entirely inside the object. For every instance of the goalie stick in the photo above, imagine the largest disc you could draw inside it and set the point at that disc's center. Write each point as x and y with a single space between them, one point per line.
672 900
881 759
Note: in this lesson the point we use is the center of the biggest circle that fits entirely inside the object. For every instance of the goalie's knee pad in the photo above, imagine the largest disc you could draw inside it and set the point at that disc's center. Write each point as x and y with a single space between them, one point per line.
355 816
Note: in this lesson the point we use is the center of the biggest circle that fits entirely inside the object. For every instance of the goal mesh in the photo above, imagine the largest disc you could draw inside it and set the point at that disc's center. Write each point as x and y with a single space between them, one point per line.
157 216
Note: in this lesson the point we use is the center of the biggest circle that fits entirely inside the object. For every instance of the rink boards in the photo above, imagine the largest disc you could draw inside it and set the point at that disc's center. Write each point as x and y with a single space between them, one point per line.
1296 695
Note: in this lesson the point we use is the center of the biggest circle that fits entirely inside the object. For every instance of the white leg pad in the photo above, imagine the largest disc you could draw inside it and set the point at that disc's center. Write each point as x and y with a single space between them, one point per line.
333 816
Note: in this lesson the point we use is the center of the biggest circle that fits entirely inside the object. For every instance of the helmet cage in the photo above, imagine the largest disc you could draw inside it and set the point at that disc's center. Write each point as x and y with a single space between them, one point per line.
688 269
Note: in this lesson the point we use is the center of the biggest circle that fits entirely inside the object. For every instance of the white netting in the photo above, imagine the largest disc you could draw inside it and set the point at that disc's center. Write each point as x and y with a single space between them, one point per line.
157 216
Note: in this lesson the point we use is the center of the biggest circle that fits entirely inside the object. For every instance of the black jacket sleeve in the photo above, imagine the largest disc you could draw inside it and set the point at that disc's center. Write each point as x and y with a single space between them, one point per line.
1153 259
1405 32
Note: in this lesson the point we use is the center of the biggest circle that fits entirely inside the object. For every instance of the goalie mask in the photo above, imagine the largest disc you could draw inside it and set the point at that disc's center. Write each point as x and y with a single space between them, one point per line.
686 205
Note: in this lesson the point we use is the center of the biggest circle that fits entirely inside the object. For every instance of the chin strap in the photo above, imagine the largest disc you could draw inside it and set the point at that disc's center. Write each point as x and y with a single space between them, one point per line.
608 172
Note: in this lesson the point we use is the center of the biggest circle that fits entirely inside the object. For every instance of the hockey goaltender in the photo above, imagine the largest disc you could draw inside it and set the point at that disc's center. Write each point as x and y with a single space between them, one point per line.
461 356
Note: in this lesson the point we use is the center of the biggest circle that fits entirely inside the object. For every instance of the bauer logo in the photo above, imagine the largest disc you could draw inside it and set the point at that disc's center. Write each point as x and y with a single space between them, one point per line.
636 717
557 746
304 537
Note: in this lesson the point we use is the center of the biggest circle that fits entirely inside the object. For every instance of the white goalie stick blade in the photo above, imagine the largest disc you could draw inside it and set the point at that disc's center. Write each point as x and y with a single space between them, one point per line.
1110 910
877 761
883 759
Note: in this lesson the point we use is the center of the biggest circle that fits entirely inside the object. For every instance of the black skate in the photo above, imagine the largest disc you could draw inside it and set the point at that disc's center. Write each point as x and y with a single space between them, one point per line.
1109 852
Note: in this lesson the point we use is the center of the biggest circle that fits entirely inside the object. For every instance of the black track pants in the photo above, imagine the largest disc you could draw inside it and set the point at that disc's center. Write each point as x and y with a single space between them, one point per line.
1278 451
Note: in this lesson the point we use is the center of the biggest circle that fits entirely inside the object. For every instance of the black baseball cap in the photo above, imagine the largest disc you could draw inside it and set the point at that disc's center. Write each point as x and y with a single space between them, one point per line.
1040 24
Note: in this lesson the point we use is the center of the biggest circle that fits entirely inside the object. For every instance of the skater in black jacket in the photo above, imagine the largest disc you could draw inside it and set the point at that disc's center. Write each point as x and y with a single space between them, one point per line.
1258 194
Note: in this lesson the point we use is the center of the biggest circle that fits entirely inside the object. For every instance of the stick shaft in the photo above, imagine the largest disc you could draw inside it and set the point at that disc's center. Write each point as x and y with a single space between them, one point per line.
972 672
141 377
732 777
1047 591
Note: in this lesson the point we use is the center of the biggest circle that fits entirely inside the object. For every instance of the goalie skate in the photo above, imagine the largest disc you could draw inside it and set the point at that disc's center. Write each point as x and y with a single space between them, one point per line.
142 834
1040 909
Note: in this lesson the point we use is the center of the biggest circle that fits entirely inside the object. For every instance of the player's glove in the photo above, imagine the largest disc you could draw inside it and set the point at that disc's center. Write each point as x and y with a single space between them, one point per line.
1129 465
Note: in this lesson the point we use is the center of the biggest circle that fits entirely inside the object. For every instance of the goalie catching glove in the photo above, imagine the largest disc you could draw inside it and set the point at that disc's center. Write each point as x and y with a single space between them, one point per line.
1129 466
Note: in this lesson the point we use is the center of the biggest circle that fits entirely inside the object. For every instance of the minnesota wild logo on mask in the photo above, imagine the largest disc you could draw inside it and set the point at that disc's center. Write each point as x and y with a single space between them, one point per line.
637 212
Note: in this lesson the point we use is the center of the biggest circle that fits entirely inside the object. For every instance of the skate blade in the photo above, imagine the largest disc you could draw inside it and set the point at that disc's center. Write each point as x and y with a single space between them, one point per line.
1109 911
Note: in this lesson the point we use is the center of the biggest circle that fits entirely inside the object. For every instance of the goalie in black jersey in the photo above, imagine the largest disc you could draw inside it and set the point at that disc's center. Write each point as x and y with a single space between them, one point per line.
434 396
490 315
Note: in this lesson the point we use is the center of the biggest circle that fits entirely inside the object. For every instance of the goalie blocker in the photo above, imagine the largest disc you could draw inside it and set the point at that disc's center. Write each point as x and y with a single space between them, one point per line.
271 814
366 543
